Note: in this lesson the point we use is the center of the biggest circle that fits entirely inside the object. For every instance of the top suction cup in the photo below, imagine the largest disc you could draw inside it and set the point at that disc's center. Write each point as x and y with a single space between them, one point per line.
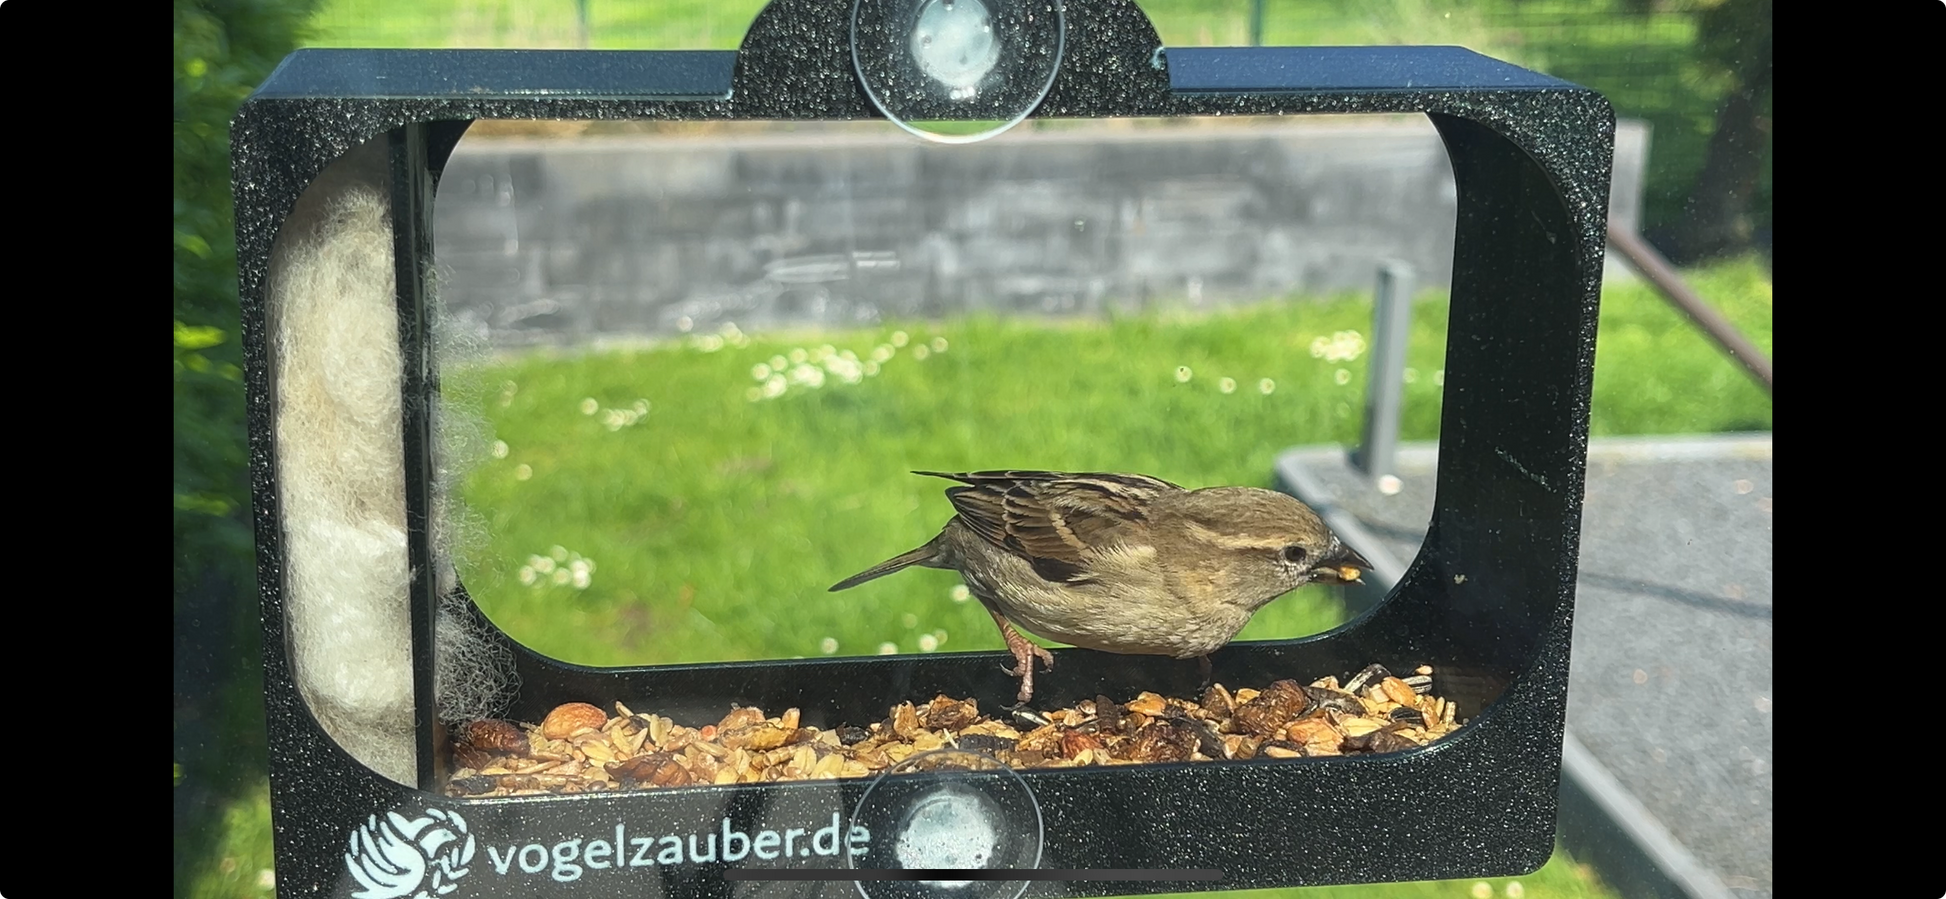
956 71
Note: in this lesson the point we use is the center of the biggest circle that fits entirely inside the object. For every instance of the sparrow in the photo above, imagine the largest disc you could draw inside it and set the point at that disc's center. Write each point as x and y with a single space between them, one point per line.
1122 563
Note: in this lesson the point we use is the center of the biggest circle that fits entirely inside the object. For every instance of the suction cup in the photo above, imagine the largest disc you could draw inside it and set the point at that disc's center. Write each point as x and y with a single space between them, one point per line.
956 71
951 809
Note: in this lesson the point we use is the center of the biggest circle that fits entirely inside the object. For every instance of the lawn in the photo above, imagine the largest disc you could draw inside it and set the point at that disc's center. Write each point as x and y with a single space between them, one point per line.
691 501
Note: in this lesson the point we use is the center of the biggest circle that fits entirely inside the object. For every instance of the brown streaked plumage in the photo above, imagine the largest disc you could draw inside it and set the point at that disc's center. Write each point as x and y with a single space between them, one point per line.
1122 562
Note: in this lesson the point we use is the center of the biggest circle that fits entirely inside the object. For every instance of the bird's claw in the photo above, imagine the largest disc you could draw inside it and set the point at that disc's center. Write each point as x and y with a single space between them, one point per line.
1024 655
1047 659
1024 651
1021 661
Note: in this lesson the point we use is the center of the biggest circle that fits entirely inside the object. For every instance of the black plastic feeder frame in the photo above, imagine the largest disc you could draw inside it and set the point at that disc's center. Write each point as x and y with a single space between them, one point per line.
1488 602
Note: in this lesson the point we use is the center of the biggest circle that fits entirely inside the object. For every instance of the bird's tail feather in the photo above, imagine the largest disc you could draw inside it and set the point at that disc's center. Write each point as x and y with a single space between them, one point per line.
920 556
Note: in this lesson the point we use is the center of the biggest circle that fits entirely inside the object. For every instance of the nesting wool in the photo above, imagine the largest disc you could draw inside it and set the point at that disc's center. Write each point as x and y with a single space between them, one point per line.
340 462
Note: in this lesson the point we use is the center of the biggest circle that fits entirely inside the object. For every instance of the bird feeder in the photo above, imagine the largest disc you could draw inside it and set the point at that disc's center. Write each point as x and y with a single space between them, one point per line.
1487 603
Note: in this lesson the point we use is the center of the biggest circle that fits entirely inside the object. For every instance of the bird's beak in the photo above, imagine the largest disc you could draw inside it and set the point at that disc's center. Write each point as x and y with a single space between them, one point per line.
1342 566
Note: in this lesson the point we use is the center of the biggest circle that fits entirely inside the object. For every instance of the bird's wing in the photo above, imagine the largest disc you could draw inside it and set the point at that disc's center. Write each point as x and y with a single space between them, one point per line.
1054 520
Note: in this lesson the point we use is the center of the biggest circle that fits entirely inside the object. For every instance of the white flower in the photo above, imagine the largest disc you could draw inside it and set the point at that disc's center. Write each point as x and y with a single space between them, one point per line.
798 355
528 574
558 552
580 578
888 649
778 363
871 369
759 371
847 370
883 353
499 449
1342 376
560 576
920 352
960 593
899 338
541 564
828 645
588 406
1265 386
910 620
1183 374
928 643
939 344
807 376
1342 346
775 386
1227 385
523 472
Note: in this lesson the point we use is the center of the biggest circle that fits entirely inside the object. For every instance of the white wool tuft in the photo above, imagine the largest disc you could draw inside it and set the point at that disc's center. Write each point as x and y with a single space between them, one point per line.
341 479
340 464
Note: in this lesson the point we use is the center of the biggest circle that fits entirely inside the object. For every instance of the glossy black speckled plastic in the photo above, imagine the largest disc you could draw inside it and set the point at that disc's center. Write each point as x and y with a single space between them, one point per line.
1488 602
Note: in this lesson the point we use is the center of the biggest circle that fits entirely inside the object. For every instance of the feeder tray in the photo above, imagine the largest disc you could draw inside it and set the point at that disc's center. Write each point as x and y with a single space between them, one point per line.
1487 604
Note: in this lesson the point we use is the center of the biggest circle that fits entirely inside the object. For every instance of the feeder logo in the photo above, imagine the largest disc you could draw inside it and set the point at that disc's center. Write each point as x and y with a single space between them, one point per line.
417 857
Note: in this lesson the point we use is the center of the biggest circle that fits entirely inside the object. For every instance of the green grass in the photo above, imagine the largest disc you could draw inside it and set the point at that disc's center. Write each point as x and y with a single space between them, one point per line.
715 522
698 24
241 862
1656 373
1560 878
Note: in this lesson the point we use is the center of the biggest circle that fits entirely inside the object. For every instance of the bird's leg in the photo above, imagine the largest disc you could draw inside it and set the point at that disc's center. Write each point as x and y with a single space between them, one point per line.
1025 651
1204 664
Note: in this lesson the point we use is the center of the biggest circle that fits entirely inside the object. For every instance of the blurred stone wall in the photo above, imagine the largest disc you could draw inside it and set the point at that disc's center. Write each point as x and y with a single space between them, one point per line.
570 240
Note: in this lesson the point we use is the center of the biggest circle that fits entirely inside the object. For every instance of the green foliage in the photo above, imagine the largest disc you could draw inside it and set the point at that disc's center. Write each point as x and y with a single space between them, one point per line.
224 48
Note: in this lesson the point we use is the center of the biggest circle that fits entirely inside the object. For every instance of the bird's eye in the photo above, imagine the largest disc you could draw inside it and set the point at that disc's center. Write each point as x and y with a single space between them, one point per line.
1294 554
